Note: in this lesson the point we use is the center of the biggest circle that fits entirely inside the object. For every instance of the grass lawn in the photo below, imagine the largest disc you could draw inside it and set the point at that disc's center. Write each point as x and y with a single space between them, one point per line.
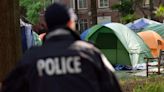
129 83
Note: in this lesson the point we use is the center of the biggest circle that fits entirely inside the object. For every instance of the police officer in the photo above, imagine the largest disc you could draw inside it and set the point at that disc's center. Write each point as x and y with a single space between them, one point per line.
63 63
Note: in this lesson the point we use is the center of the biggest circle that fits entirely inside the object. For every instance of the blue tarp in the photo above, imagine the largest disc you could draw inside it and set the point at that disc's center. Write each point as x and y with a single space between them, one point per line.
140 24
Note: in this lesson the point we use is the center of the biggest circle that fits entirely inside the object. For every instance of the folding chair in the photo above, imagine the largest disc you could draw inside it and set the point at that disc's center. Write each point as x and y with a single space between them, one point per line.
159 63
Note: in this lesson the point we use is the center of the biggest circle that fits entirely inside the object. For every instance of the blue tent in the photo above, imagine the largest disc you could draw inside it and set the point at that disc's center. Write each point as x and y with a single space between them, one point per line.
140 24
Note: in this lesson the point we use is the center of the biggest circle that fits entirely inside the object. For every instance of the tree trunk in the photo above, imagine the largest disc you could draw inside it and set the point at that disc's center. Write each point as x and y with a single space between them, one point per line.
151 9
10 37
138 4
160 2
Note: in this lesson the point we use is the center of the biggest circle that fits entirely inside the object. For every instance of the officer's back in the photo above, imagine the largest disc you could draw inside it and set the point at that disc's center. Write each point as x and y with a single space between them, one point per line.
63 63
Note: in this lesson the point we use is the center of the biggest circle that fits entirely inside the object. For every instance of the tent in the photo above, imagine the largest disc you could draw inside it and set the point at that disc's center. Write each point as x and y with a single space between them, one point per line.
119 44
153 40
85 33
140 24
159 28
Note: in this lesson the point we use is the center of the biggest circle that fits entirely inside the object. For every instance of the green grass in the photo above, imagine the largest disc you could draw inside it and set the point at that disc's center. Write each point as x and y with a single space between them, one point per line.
143 84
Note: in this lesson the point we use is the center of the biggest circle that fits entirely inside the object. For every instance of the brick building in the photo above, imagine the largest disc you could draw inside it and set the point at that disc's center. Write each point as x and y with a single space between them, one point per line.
104 12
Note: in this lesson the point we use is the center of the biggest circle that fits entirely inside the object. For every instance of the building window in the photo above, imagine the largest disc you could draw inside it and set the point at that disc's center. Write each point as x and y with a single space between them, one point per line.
72 4
83 25
103 19
82 4
103 3
146 3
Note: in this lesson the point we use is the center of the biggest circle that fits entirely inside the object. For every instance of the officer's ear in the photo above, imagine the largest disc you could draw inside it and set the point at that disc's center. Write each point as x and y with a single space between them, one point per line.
73 17
71 24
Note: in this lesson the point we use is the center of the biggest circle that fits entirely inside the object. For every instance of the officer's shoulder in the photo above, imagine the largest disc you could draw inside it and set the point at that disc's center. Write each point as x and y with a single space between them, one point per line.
84 44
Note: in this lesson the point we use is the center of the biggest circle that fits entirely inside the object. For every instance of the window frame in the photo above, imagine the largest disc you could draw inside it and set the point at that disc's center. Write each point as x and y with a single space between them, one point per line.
99 6
78 3
83 23
72 4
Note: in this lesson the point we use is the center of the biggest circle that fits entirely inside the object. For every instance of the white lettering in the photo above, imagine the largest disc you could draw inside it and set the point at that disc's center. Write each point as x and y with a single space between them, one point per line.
68 65
63 64
77 64
49 69
40 66
59 66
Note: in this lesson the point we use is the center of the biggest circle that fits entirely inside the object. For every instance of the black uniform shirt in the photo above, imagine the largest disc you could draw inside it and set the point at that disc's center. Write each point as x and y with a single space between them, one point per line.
62 64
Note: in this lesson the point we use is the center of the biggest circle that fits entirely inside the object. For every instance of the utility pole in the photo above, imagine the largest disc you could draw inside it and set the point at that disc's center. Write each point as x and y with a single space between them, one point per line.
94 12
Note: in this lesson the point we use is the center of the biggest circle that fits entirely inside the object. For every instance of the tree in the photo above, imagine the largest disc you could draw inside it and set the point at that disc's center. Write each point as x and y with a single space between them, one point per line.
33 8
160 11
10 47
126 9
138 4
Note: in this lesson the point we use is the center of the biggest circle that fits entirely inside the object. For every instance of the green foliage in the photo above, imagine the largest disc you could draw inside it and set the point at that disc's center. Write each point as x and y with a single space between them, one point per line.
126 10
33 7
33 12
125 7
160 11
128 18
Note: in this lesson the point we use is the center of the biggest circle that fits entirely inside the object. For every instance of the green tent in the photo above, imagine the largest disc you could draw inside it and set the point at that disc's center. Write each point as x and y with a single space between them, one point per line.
119 44
159 28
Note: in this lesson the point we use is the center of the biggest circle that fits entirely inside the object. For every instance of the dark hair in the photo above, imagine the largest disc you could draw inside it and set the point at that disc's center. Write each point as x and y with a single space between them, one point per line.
56 16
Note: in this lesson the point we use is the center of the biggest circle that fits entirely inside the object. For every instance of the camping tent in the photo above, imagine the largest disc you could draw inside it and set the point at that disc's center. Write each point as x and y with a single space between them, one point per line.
159 28
86 32
140 24
119 44
153 40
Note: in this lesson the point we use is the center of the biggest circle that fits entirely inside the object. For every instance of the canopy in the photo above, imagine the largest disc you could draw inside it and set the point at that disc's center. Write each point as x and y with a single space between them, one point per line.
119 44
